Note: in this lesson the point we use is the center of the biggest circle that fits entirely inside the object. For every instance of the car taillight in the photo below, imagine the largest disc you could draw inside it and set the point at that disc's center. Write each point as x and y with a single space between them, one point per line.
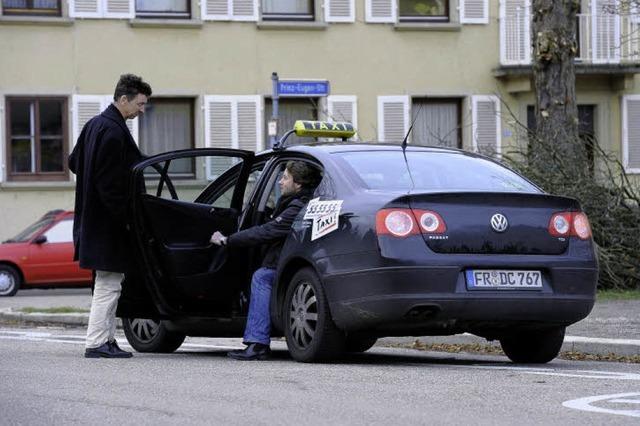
397 222
567 224
581 226
430 222
405 222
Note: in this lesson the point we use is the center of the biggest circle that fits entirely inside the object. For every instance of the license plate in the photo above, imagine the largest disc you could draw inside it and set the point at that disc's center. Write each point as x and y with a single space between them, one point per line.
503 279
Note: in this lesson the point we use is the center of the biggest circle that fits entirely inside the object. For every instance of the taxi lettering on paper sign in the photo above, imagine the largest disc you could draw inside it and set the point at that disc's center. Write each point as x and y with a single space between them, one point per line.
324 215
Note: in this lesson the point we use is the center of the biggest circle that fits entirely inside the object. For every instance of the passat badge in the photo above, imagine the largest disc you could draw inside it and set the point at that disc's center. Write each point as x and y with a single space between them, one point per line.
499 222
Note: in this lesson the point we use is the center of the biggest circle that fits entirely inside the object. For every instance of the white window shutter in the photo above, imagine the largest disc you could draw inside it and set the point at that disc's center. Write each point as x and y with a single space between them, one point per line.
86 8
84 108
631 133
474 11
343 108
339 11
249 123
216 10
515 32
244 10
393 118
485 118
119 9
219 123
606 32
383 11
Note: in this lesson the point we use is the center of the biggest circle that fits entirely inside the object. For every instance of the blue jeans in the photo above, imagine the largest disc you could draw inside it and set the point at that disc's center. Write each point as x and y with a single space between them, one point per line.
258 329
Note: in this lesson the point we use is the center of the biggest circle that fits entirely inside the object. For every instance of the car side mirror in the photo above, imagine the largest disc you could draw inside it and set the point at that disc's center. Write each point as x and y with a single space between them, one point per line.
41 239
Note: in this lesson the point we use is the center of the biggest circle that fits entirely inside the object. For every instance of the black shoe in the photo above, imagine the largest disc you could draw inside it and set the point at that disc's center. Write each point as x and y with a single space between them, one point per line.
255 351
107 350
116 349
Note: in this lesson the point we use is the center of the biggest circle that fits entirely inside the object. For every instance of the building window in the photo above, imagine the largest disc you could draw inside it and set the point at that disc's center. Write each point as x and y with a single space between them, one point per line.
437 122
423 10
31 7
167 125
180 9
37 138
299 10
290 110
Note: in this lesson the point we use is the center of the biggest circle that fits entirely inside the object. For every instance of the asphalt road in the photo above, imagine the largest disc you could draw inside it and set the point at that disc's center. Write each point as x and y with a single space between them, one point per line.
45 380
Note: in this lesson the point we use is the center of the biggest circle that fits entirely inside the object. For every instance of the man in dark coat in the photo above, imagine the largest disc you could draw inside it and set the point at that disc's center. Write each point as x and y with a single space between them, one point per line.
101 160
296 186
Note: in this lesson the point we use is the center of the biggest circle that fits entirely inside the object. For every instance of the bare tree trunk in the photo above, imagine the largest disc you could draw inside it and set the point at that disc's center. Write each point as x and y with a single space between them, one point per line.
554 50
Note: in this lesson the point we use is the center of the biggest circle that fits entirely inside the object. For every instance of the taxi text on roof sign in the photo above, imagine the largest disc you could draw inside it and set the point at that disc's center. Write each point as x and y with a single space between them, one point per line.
324 129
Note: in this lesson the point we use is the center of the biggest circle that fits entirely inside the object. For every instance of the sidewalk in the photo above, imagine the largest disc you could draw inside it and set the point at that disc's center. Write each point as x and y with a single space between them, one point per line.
613 327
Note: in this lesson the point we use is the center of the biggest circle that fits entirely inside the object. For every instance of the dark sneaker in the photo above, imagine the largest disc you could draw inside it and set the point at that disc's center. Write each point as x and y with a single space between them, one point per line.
255 351
106 351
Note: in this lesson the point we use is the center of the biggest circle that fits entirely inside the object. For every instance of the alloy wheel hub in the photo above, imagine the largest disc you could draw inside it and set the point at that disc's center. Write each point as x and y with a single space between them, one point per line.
6 281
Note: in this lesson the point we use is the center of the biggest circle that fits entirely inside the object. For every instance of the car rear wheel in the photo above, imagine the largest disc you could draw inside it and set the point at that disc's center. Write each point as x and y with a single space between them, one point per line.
534 347
360 344
148 335
310 331
10 280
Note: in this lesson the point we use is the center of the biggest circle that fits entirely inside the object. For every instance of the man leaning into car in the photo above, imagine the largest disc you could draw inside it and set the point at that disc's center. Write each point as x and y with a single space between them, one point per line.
101 160
296 185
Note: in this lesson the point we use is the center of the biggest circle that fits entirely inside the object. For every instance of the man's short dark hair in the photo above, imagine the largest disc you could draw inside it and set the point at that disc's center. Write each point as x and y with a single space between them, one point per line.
305 174
131 85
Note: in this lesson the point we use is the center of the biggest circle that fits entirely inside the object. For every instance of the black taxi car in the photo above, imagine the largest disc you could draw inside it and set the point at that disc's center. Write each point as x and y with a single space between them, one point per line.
398 240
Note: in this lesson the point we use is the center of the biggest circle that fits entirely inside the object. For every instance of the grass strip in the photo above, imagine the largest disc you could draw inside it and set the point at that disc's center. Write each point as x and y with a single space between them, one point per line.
618 295
496 350
57 310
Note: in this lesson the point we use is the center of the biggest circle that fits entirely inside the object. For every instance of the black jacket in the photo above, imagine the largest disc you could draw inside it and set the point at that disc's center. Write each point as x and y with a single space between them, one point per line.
274 232
102 159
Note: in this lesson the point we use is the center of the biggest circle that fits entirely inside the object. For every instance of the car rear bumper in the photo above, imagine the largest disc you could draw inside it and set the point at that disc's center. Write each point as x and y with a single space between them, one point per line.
435 300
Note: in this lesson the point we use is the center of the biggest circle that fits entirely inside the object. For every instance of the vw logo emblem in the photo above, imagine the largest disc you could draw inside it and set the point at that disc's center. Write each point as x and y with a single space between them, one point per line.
499 222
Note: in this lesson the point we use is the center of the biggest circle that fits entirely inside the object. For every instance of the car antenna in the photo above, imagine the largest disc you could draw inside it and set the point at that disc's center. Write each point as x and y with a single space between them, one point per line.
404 144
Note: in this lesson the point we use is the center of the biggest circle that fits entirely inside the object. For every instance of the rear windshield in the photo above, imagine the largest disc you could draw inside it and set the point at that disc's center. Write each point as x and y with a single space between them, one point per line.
433 171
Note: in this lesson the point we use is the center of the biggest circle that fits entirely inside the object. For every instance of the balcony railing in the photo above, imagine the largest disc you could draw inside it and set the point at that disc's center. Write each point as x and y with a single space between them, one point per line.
602 39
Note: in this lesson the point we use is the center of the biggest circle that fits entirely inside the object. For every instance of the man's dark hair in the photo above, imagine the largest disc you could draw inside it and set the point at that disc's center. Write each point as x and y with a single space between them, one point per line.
304 174
131 85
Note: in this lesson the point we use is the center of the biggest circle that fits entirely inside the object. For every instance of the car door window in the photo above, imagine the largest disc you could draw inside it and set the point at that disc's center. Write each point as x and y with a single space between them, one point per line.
163 179
61 232
223 200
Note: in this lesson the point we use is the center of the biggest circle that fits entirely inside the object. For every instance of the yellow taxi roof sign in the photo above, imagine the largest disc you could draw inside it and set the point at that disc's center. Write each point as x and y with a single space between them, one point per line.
324 129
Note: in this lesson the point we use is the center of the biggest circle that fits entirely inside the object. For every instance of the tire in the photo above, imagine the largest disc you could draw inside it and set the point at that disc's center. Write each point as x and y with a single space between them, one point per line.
534 347
360 344
10 281
309 329
147 335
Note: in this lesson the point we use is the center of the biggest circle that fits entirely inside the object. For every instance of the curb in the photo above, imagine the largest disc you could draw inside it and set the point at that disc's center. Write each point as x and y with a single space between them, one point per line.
586 345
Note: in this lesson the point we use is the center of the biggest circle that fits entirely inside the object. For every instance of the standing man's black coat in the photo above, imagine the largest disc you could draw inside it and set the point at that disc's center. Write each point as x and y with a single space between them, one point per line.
101 160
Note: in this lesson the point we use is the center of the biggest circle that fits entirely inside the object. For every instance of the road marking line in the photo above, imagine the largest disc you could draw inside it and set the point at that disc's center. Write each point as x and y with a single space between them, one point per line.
584 404
587 374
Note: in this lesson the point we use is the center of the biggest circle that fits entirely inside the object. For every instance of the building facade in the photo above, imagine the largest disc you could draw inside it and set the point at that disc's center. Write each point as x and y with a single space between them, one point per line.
460 68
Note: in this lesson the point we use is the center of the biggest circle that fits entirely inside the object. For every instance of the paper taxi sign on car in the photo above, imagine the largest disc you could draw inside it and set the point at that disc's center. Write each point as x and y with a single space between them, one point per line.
324 129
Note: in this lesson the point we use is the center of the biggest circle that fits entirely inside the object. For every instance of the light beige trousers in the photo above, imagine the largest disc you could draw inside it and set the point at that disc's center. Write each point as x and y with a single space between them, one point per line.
102 318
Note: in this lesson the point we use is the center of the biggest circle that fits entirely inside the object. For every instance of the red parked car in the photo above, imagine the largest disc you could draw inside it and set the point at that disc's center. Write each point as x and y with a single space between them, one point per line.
42 256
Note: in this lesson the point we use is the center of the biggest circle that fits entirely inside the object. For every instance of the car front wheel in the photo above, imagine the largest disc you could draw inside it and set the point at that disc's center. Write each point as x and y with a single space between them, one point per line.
148 335
310 331
10 281
533 347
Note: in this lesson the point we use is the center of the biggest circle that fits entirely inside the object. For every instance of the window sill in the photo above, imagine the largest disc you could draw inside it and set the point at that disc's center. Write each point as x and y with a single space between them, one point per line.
428 26
165 23
37 185
36 20
283 25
